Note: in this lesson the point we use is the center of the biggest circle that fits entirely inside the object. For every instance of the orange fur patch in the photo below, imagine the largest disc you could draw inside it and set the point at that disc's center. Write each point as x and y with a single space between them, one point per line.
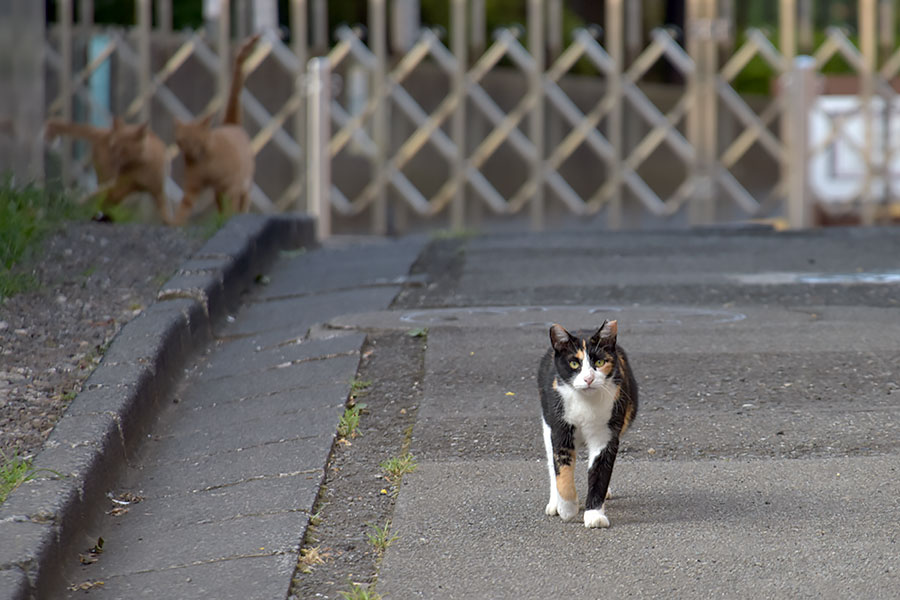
565 481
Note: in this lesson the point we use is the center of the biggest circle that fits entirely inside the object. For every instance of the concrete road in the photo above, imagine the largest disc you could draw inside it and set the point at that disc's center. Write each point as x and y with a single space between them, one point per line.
765 461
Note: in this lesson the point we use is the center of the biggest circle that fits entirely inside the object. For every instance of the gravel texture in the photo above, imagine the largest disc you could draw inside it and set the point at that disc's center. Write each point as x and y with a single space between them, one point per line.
92 279
357 496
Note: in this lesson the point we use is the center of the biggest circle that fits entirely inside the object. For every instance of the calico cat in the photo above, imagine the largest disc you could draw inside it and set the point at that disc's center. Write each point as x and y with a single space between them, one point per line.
589 397
127 158
220 157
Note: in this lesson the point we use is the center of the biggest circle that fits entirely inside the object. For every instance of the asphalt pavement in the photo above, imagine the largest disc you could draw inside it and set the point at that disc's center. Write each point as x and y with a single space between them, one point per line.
764 461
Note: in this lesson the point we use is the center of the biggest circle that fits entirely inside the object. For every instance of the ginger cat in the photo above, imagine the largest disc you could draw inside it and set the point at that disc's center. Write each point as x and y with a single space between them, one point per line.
218 157
127 159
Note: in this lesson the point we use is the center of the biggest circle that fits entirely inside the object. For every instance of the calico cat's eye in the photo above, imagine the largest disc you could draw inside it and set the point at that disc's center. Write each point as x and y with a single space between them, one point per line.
574 364
599 363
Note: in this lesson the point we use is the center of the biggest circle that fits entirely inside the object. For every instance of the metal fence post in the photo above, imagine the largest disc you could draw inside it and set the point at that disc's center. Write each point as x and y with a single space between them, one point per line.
615 47
224 49
476 125
164 16
702 127
556 127
886 39
869 49
378 45
145 22
536 122
787 46
318 174
319 26
801 91
459 46
64 8
300 43
805 25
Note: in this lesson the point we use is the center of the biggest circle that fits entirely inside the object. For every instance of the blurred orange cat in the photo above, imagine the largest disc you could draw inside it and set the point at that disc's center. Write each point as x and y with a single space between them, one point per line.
127 158
220 157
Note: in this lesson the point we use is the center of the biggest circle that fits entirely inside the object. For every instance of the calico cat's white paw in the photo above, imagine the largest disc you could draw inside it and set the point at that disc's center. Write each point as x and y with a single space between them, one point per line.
551 508
595 518
567 510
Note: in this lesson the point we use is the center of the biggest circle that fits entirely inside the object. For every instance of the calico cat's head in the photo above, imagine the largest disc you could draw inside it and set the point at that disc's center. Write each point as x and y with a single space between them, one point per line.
584 363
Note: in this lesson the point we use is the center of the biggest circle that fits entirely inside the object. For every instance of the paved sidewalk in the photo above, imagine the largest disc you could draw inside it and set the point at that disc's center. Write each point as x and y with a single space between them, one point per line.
231 471
764 461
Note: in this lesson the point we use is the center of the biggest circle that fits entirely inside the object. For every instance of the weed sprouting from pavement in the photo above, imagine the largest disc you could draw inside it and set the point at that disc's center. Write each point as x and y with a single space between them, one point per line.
396 467
358 387
14 471
309 558
380 537
348 424
358 592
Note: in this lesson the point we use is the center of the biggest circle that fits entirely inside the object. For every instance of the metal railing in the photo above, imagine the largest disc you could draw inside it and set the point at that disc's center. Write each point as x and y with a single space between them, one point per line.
705 131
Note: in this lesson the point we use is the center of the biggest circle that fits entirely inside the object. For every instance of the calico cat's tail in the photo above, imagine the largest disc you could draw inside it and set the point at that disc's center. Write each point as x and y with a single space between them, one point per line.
54 128
233 107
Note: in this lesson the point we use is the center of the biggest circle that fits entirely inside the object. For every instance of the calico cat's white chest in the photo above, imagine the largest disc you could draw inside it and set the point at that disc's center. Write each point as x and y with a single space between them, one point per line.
589 411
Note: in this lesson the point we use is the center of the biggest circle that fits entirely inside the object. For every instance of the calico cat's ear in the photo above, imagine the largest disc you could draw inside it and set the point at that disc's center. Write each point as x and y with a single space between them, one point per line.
559 337
606 334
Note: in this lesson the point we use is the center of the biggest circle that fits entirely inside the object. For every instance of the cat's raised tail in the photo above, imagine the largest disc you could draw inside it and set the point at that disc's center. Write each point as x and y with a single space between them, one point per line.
233 106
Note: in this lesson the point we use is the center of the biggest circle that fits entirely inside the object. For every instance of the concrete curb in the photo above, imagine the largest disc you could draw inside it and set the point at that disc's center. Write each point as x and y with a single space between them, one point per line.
45 519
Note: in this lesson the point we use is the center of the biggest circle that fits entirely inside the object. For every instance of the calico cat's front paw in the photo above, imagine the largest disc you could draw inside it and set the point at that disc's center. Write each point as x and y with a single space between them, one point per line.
595 518
550 510
567 510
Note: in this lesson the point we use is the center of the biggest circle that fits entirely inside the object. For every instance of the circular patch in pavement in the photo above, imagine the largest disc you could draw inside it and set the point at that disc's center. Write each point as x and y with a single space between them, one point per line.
571 317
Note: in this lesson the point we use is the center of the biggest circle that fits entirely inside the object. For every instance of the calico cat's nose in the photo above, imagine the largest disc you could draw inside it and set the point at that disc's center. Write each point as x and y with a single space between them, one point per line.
589 378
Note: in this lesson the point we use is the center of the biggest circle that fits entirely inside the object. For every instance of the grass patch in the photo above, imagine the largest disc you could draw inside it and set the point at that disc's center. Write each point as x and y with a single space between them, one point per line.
14 471
120 213
380 537
348 424
358 387
398 466
358 592
27 214
211 224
